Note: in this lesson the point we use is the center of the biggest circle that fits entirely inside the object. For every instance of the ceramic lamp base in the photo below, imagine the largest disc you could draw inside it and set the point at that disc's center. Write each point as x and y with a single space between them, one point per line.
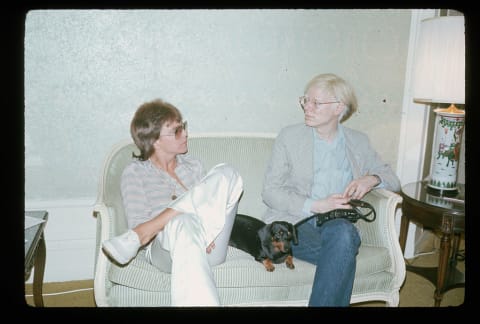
446 150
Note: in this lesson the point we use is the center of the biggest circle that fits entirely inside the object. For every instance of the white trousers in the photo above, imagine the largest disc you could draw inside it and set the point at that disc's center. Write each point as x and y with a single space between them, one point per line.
208 212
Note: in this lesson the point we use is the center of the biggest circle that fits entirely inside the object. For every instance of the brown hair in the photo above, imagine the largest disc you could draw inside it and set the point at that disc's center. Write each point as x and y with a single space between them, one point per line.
148 122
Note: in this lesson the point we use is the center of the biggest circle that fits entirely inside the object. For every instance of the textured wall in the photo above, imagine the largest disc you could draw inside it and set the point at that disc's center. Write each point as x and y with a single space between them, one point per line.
86 71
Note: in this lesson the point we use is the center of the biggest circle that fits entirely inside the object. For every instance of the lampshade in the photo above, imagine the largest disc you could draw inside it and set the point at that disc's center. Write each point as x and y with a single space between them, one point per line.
439 68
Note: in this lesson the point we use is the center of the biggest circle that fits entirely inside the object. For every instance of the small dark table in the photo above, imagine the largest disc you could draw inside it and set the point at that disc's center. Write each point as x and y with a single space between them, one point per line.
35 254
440 211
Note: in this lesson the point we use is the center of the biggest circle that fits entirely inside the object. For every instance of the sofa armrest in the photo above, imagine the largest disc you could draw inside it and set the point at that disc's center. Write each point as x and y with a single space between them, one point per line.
102 264
382 232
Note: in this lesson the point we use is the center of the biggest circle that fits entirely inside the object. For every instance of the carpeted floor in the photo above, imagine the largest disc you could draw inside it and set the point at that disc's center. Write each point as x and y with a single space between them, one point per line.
415 292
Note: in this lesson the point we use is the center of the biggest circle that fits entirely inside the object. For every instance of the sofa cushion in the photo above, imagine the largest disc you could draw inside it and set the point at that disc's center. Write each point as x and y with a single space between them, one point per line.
241 270
371 260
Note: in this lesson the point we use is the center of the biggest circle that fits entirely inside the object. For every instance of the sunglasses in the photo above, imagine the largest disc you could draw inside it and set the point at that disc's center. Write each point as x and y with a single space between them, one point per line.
178 131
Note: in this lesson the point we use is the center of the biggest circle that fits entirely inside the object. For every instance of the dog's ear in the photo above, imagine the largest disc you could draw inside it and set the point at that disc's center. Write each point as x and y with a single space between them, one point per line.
293 230
265 231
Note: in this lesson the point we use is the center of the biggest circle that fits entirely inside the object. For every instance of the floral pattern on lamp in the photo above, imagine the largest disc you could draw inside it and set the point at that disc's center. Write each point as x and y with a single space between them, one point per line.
446 151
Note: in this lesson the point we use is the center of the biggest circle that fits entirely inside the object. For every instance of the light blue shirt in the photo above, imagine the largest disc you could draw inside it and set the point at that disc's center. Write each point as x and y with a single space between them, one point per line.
331 169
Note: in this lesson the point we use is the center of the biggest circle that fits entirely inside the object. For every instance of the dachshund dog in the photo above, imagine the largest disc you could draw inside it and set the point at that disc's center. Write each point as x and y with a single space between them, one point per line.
267 243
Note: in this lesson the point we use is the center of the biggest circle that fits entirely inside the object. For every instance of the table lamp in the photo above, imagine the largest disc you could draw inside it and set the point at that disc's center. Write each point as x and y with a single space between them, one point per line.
439 78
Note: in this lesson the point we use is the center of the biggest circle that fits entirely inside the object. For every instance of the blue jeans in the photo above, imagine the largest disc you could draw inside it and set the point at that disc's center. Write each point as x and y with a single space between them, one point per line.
333 248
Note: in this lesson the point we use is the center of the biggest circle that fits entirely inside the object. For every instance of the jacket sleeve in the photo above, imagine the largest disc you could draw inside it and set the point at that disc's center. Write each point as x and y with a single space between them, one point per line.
370 163
279 193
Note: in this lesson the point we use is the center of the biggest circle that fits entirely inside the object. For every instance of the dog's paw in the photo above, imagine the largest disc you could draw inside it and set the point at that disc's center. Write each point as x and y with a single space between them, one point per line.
289 262
268 264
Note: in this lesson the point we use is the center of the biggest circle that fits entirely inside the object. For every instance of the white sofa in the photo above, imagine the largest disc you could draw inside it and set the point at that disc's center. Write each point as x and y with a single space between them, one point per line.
241 281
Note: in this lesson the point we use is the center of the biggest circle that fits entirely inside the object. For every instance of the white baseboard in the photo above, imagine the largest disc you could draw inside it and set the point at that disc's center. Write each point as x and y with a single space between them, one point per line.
411 235
70 239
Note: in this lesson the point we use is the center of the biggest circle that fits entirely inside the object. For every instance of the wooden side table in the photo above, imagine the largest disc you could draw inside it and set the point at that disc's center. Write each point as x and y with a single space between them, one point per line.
35 253
442 212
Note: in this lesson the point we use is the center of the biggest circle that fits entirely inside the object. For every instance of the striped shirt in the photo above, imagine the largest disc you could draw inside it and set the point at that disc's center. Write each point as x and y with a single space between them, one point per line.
147 190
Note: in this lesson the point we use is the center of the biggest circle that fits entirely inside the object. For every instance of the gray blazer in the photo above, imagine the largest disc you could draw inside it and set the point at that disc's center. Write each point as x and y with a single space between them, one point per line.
289 175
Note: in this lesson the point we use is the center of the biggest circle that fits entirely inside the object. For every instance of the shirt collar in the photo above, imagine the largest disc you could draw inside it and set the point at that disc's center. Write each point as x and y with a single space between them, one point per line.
339 137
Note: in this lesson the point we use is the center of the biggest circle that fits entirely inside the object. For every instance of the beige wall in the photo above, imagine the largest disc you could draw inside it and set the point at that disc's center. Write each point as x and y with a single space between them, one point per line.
86 71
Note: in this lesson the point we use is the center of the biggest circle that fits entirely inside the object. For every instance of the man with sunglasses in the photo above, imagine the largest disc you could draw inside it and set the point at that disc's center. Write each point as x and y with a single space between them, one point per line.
315 167
174 210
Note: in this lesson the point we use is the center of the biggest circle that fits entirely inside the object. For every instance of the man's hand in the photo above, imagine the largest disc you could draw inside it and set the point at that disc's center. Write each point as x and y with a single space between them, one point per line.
360 187
335 201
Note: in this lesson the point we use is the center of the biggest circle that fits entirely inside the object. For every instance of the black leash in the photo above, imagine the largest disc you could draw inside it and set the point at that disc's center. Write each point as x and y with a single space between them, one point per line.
352 214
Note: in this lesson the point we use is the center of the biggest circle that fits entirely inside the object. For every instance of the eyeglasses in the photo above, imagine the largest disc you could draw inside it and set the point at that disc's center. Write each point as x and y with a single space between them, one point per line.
304 100
178 131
